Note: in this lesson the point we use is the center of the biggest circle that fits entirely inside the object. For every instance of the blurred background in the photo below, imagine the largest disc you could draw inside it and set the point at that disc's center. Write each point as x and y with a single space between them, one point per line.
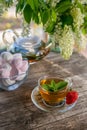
9 20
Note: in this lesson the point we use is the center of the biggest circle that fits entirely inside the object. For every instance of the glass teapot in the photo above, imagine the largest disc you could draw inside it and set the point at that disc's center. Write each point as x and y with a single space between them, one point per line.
32 47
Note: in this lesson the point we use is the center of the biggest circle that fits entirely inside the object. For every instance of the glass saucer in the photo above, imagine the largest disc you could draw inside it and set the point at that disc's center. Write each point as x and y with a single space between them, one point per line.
38 102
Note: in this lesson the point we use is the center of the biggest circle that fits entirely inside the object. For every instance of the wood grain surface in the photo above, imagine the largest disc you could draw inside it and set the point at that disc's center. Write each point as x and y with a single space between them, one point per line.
17 112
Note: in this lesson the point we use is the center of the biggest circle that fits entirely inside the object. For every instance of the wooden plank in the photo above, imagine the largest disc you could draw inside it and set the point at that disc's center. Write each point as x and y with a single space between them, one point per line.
73 123
21 115
76 64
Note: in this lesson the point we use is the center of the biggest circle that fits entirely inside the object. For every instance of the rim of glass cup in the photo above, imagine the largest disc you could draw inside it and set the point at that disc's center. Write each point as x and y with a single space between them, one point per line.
53 77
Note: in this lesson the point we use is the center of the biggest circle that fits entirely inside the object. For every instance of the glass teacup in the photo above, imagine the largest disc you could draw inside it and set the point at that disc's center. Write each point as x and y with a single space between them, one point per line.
56 98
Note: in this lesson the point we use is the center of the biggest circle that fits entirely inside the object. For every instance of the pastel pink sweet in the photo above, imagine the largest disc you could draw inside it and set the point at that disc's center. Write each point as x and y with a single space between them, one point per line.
1 65
17 62
13 72
7 66
7 82
20 76
0 61
5 74
24 66
1 70
17 56
7 56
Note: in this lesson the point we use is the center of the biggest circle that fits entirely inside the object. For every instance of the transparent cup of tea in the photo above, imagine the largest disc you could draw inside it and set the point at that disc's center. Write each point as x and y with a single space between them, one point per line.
53 98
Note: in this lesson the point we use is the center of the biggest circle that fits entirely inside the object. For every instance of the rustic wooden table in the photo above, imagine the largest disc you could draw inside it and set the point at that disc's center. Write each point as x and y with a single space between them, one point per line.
17 112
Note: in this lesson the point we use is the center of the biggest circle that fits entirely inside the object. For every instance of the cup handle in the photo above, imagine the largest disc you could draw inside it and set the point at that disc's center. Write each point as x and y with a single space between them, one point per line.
9 31
69 80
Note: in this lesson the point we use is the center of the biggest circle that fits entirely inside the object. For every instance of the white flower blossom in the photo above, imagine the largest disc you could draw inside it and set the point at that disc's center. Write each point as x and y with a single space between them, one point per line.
78 17
66 42
83 1
80 41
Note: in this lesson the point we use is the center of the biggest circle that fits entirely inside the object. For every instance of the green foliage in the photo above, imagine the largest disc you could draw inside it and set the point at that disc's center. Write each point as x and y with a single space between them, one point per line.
42 11
50 27
20 6
27 12
54 87
45 16
33 3
63 5
6 3
66 20
84 27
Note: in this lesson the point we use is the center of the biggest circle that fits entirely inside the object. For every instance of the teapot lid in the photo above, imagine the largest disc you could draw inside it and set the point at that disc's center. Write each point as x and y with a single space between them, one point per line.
28 42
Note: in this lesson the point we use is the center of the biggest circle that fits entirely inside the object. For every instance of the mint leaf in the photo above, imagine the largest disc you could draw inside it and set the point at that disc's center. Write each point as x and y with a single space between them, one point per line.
61 85
52 83
46 87
53 86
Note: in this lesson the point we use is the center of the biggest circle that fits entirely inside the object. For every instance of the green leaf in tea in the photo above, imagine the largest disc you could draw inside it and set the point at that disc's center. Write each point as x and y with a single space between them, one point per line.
46 87
61 85
52 83
53 86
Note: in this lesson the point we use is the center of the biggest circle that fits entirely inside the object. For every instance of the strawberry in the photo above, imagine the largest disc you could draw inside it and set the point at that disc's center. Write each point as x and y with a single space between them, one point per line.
71 97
